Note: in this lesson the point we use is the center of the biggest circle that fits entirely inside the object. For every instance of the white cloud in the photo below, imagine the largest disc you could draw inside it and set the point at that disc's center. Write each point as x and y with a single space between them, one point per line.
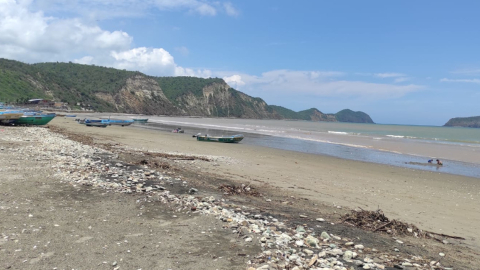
461 80
389 75
182 50
401 79
148 60
467 71
33 37
317 83
230 9
105 9
234 81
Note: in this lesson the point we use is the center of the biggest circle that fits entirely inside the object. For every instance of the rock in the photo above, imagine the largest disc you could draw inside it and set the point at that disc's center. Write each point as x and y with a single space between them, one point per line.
300 229
299 243
320 220
248 239
303 216
348 255
359 247
349 244
441 254
312 261
192 190
398 241
312 241
325 236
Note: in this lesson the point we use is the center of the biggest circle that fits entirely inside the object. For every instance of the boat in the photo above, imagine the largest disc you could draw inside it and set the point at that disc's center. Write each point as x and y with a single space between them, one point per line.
178 130
38 120
140 120
117 122
229 139
95 123
8 117
71 115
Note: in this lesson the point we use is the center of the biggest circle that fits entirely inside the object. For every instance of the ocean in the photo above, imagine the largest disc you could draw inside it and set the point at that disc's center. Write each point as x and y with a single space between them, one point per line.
397 145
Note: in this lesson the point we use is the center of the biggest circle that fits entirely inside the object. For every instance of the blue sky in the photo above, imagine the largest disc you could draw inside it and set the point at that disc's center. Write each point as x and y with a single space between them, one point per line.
402 62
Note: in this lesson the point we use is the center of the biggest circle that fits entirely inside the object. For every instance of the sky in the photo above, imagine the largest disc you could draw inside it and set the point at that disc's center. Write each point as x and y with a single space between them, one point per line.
402 62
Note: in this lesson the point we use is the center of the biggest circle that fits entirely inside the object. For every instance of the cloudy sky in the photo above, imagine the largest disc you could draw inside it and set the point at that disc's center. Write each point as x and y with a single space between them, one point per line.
402 62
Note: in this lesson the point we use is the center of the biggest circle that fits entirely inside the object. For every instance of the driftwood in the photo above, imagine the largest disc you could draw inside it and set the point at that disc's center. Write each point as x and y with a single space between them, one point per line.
175 156
376 221
239 190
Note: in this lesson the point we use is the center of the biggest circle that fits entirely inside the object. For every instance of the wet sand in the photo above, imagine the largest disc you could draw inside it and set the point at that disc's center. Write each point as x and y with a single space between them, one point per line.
436 202
48 223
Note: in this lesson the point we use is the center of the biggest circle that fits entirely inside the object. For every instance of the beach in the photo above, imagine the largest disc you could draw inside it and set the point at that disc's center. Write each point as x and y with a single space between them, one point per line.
298 187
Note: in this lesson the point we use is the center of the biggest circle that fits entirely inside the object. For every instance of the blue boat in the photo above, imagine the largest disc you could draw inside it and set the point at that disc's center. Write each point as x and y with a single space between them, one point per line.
118 122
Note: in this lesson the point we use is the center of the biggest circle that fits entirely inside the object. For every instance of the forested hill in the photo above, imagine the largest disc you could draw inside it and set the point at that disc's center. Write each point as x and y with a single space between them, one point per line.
316 115
112 90
473 122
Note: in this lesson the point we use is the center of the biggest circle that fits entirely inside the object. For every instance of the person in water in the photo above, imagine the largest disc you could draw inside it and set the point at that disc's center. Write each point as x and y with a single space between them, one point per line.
430 161
439 162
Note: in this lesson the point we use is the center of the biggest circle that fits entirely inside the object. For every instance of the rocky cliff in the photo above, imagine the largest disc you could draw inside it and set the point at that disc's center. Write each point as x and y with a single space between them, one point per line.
111 90
473 122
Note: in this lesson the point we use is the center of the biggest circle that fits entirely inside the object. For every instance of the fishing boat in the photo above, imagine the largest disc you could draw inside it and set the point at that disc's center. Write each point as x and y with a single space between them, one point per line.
7 117
229 139
140 120
95 123
38 120
117 122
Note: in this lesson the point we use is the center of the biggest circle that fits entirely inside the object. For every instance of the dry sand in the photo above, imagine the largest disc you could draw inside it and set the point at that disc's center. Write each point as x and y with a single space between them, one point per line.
436 202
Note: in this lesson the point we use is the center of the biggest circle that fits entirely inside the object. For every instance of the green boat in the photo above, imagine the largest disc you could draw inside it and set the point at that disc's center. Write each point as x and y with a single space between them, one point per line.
141 120
230 139
37 120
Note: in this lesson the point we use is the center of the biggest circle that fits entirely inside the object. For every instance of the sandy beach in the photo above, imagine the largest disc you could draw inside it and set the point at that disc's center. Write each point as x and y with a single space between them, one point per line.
293 184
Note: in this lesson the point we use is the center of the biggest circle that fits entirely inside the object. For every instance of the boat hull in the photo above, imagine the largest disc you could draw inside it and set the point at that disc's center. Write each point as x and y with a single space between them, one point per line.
232 139
38 120
140 120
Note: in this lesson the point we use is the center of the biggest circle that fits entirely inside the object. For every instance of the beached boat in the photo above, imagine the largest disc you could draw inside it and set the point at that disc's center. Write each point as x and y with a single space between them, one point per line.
141 120
38 120
96 123
178 130
71 115
117 122
7 117
229 139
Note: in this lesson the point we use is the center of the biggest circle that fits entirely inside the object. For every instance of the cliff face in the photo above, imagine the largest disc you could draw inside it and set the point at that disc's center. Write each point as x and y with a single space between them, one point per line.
140 95
473 122
111 90
219 100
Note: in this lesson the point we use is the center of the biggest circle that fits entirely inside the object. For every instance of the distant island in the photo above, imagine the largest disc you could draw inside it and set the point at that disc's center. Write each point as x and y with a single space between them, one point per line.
472 122
94 88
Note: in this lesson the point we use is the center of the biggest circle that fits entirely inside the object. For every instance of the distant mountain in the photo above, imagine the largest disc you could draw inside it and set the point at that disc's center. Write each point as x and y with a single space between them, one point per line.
105 89
316 115
353 117
473 122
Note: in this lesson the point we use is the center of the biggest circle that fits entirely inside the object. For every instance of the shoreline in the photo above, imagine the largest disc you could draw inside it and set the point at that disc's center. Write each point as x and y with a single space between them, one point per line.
436 202
296 190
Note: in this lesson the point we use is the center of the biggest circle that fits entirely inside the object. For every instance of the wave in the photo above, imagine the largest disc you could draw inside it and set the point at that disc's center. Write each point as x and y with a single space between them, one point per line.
337 132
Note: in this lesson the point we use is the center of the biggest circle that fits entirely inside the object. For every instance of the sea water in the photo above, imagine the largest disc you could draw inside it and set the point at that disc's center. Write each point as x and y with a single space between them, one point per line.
398 145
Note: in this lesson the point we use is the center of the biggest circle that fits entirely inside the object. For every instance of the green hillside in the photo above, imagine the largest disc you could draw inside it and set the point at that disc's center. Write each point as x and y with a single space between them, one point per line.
473 122
353 117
